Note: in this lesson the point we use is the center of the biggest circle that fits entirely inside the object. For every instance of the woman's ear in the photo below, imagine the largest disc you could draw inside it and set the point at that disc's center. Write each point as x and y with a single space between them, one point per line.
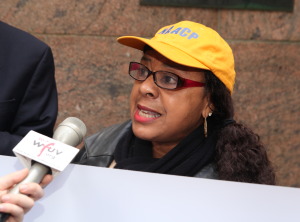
208 109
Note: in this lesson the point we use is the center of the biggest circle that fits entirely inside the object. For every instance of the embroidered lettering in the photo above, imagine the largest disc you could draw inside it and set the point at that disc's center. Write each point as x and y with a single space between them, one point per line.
183 32
194 35
176 31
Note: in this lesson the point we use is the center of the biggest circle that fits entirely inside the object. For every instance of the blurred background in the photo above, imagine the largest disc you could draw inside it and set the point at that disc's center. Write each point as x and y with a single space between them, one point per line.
91 67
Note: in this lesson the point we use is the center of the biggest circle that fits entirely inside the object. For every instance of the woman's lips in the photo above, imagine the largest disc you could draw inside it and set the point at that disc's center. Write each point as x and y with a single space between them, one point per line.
144 114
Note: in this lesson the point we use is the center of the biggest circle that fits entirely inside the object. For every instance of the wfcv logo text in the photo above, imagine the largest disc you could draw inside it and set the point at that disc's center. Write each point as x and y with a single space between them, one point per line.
47 149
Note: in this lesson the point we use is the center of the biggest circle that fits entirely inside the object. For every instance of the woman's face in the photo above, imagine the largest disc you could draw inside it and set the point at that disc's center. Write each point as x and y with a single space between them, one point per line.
163 116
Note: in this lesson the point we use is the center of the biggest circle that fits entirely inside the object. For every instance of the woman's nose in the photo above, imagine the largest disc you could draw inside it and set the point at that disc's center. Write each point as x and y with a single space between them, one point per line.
149 88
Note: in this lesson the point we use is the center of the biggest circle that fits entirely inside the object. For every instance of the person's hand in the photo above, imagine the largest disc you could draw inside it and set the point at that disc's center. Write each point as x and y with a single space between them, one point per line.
18 204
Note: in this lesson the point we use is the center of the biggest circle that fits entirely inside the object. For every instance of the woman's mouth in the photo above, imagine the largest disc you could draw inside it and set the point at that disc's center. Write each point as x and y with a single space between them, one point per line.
148 114
144 114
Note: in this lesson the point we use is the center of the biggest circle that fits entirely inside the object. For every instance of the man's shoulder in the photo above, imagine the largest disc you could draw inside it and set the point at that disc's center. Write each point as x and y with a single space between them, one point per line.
19 38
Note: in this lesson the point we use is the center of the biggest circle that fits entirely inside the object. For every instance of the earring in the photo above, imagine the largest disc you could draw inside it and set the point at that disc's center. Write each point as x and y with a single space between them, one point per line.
205 125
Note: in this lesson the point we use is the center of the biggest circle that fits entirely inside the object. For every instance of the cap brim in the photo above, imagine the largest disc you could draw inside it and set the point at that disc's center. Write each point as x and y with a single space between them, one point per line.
174 54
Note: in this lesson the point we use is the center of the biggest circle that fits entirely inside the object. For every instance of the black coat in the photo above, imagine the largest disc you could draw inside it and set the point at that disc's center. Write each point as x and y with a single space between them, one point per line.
28 95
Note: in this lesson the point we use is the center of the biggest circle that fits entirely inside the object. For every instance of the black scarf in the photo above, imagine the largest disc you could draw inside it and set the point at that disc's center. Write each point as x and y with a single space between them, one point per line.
186 159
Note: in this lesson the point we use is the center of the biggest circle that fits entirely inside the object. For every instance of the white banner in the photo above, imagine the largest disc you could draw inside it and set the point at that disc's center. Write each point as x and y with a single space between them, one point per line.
84 193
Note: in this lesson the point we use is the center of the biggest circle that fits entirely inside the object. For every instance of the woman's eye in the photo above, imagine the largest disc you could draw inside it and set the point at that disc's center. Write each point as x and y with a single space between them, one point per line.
143 72
169 79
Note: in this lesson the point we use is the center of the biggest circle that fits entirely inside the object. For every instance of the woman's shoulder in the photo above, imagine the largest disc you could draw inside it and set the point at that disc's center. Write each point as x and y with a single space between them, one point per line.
105 141
208 172
99 148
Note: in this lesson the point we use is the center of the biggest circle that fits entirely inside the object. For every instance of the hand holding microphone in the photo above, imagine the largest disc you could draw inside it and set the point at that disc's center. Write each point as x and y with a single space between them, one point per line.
71 132
17 205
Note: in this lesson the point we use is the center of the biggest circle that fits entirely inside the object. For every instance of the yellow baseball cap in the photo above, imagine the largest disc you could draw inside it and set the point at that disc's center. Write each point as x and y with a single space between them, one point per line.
191 44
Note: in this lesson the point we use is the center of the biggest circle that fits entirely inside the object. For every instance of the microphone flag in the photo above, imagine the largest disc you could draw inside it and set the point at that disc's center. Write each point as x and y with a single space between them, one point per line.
47 151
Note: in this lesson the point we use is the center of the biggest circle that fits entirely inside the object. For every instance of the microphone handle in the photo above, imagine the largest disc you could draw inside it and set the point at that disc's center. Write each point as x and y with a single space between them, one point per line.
35 175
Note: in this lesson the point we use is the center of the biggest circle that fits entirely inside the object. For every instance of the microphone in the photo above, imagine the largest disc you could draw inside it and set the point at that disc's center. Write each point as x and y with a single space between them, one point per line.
71 132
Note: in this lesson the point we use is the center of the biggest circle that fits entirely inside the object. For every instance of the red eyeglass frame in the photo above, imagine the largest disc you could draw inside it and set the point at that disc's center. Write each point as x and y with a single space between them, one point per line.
182 83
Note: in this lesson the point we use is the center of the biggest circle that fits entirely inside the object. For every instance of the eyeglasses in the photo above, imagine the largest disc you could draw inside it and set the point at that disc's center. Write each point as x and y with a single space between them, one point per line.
162 79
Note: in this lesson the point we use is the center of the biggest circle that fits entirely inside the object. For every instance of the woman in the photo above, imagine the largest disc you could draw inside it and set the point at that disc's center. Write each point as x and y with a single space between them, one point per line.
182 113
16 205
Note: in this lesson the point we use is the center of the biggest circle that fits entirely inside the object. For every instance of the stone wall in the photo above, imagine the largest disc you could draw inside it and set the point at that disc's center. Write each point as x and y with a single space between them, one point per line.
91 67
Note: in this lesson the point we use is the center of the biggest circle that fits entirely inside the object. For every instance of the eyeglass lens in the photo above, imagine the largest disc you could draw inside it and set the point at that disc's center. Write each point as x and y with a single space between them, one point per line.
163 79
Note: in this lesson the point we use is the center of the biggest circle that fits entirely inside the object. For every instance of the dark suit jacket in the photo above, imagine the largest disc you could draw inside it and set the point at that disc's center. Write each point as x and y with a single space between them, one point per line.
28 95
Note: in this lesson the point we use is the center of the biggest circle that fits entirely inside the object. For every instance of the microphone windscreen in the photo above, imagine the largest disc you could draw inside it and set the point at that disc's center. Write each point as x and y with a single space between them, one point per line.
71 131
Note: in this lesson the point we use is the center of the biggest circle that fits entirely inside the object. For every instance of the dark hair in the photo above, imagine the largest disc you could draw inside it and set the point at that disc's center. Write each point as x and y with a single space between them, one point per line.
240 155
